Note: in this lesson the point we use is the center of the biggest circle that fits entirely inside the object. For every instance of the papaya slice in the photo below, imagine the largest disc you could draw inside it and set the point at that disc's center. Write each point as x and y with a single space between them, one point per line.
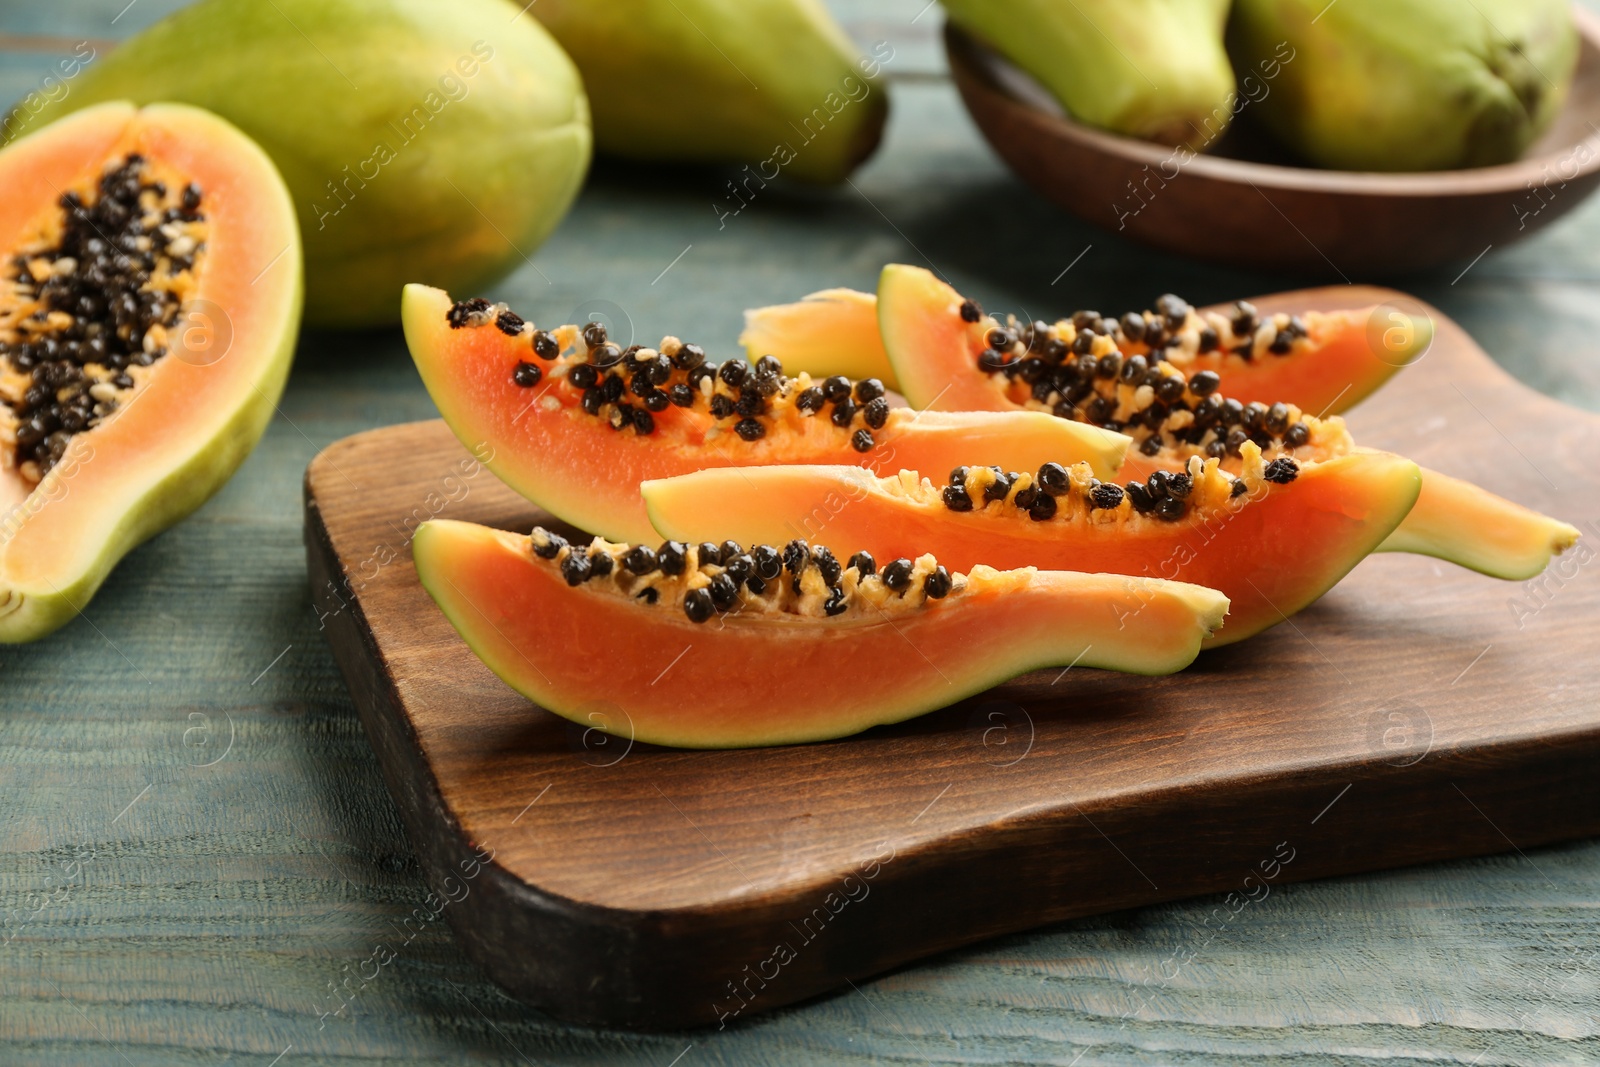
1326 362
713 646
1273 539
941 346
831 332
574 422
1174 411
148 319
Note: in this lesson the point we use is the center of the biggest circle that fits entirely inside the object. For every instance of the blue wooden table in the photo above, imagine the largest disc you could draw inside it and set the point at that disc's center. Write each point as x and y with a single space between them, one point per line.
196 848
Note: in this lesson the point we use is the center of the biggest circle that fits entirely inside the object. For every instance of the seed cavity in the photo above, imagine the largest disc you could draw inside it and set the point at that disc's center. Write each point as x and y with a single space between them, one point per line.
1059 492
750 401
1082 369
89 304
711 580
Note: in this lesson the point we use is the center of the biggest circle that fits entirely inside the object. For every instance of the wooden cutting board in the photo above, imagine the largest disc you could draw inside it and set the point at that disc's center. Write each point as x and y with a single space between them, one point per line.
1417 712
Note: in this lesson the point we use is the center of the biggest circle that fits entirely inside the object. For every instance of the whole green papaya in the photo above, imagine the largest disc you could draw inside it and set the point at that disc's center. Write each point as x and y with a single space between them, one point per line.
421 141
1153 69
1409 85
773 83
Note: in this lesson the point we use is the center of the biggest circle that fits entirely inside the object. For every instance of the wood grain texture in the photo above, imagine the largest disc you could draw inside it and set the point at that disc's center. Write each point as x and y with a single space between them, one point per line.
227 902
1247 202
639 886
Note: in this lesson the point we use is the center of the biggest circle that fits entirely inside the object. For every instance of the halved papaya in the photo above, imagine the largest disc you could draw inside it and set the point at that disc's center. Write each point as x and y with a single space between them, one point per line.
1088 370
149 315
712 646
827 333
1273 539
574 422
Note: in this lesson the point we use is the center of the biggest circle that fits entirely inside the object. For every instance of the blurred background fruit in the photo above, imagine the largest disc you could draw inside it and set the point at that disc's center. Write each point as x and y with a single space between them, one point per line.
1152 69
773 83
1409 85
420 141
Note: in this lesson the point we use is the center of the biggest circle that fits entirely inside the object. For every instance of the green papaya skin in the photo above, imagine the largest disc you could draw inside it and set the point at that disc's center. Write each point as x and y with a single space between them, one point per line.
771 83
1409 85
419 140
1152 69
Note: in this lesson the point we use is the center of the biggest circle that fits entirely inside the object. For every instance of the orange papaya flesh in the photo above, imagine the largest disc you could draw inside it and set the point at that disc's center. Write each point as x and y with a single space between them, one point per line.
148 317
574 423
714 655
1273 539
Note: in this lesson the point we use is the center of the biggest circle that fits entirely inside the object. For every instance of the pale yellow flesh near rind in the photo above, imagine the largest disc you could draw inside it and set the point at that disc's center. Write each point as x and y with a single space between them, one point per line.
1458 522
79 544
1019 621
831 332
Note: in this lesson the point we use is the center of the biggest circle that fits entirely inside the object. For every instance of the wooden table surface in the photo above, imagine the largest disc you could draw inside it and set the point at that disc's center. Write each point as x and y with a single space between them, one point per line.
196 848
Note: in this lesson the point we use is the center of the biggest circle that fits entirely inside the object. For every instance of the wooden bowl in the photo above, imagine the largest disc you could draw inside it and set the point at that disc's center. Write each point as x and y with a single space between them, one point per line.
1251 205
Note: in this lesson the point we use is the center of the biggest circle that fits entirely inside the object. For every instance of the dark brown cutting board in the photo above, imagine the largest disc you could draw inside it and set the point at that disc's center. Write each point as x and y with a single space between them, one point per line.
1417 712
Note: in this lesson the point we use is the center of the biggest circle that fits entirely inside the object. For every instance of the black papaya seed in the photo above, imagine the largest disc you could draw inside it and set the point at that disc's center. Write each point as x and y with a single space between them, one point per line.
1106 495
724 592
575 568
1281 471
547 545
688 357
826 564
671 557
697 605
768 563
795 555
897 575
